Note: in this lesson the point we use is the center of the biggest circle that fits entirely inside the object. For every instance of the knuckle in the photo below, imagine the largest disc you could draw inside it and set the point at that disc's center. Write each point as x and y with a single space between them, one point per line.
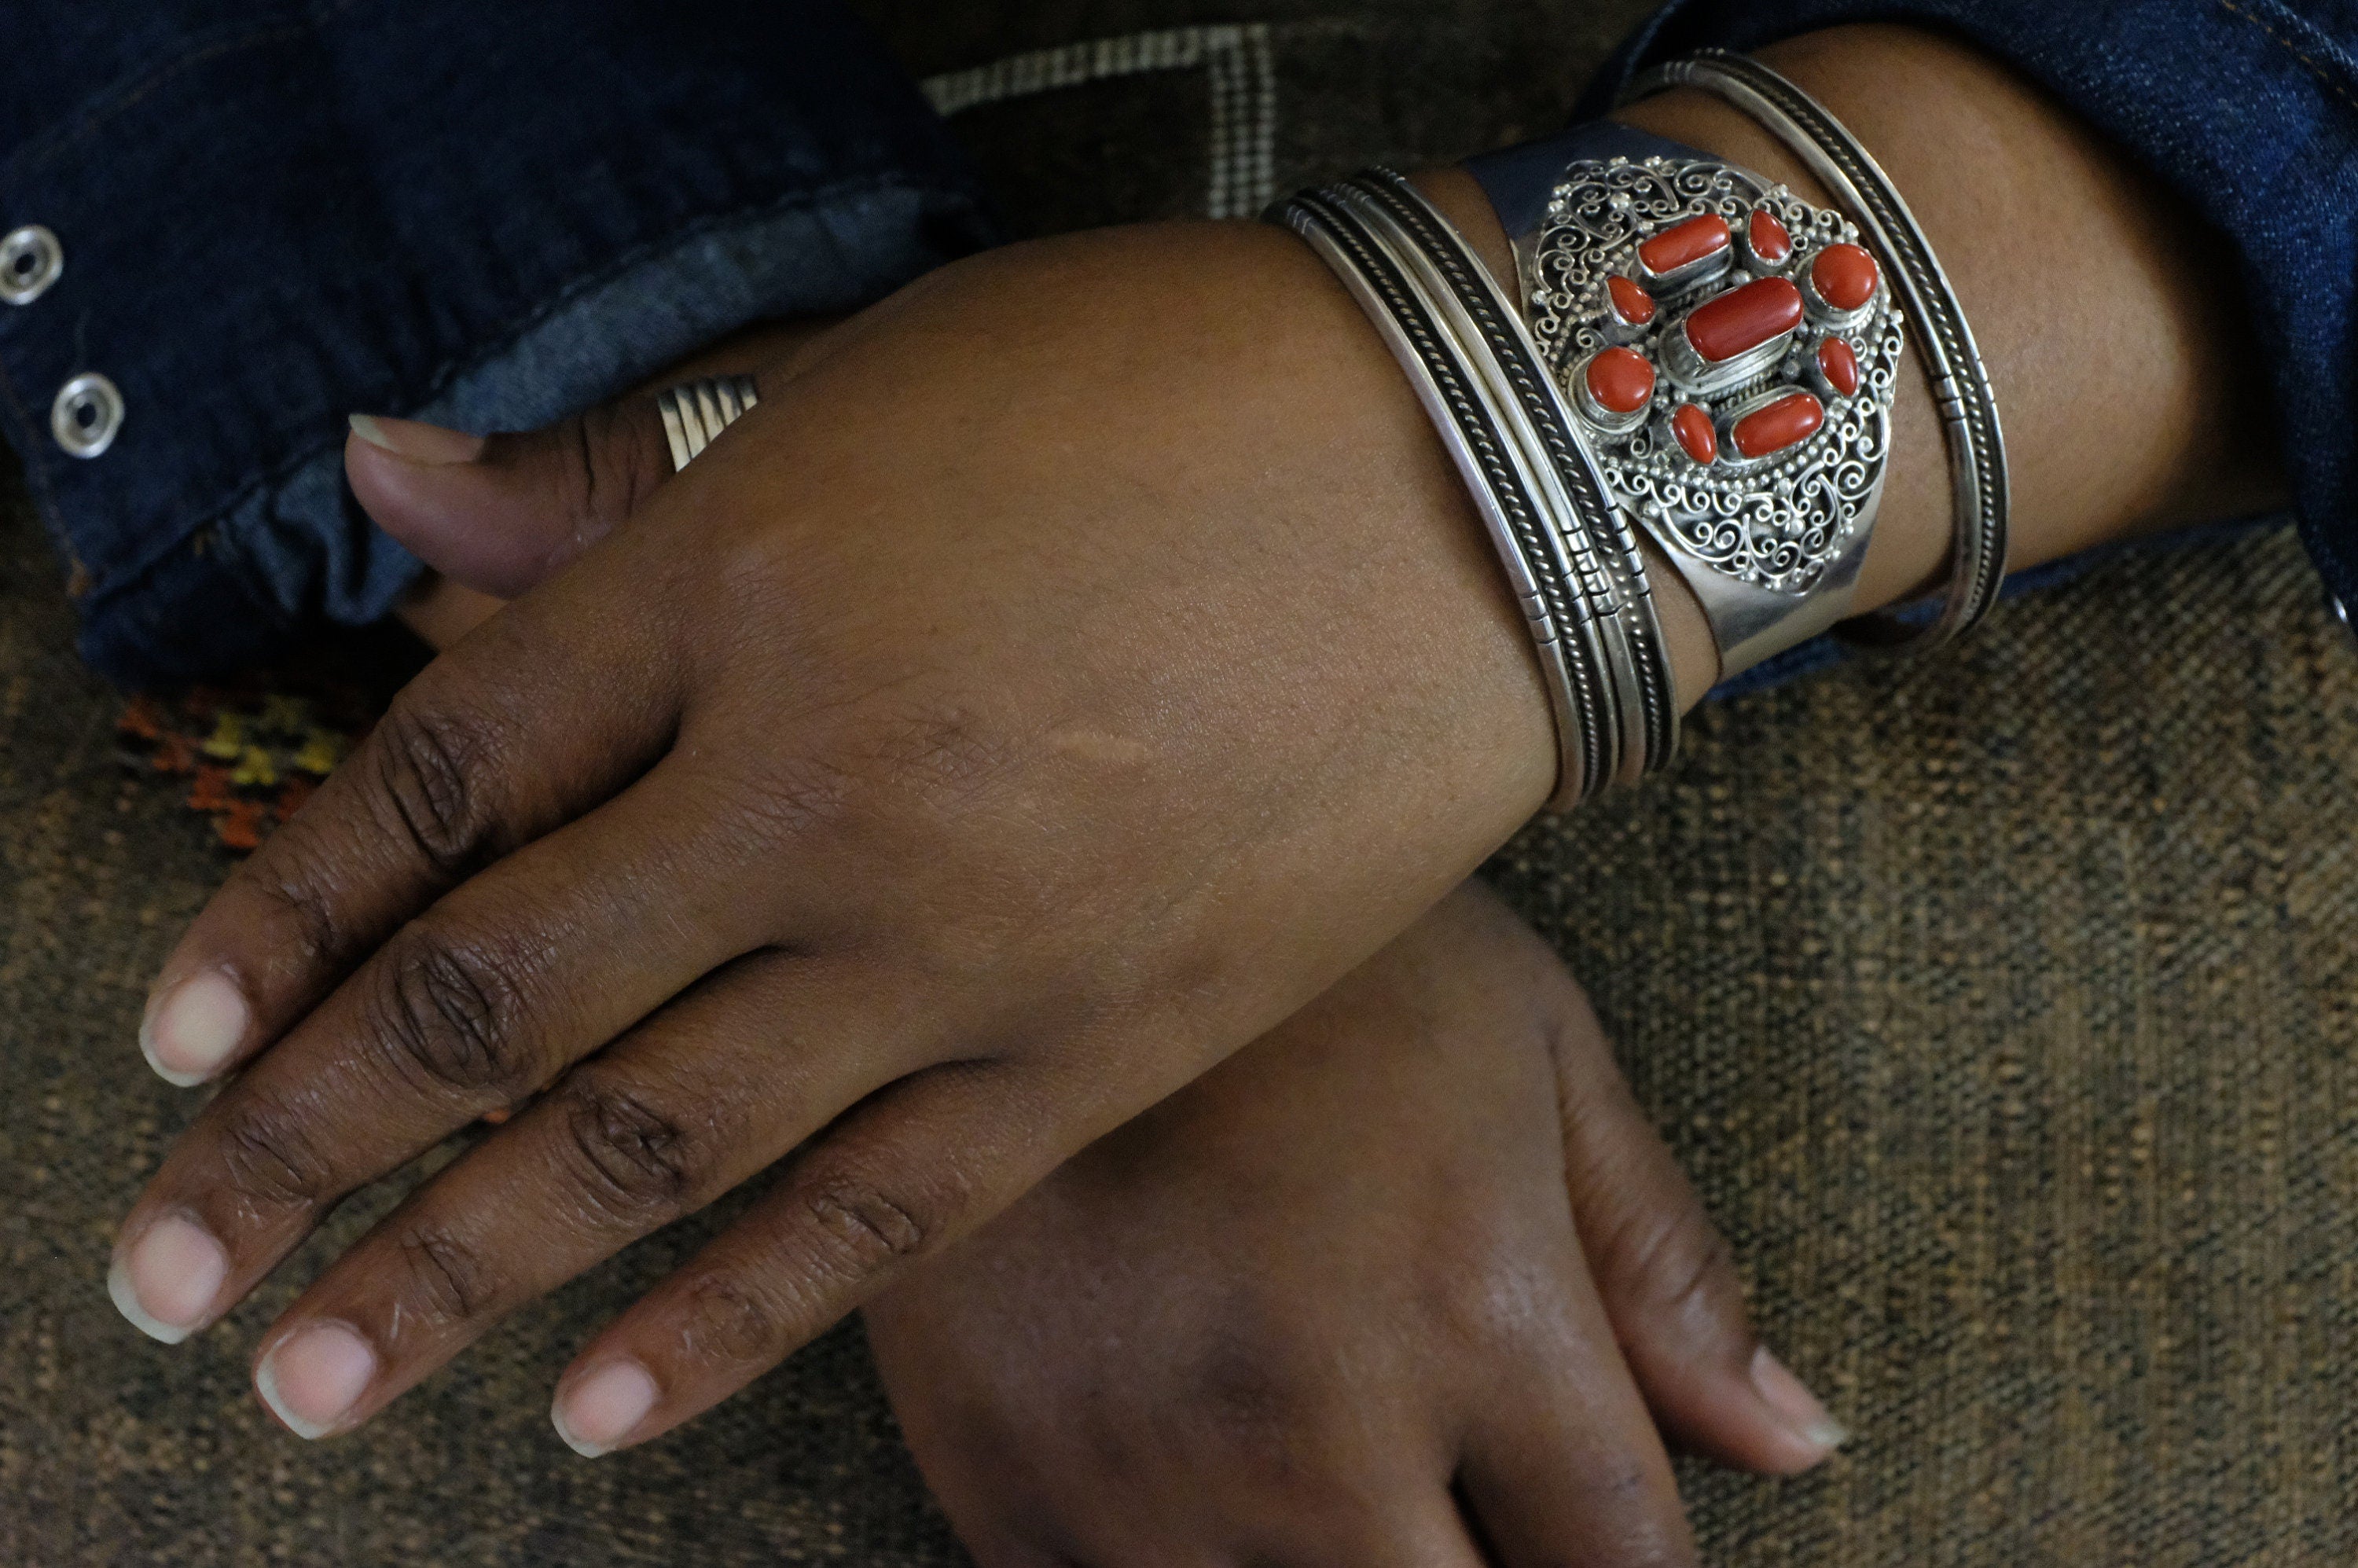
1258 1392
610 468
633 1160
867 1228
733 1322
270 1157
449 1281
430 759
1672 1265
295 904
446 1015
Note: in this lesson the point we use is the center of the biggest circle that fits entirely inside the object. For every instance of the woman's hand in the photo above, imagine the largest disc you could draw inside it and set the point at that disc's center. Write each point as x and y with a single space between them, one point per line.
1329 1304
1077 668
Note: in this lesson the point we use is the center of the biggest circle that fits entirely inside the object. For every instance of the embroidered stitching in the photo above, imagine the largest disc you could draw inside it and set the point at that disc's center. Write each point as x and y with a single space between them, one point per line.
65 134
2324 73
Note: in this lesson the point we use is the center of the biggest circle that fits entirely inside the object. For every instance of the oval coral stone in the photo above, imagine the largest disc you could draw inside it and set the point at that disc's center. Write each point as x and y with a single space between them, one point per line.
1772 429
1839 361
1688 243
1631 303
1695 432
1744 319
1844 277
1769 239
1620 380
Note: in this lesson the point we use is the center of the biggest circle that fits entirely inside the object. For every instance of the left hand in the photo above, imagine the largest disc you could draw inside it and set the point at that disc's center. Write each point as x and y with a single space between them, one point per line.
1080 664
1405 1274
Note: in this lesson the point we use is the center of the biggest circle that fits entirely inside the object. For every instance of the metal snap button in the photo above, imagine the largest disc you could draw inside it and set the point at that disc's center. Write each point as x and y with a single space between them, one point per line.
86 415
30 260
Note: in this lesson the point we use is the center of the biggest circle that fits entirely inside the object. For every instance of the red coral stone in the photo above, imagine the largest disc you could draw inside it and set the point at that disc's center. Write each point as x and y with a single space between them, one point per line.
1685 245
1839 361
1844 277
1695 432
1780 424
1769 239
1744 319
1631 303
1620 380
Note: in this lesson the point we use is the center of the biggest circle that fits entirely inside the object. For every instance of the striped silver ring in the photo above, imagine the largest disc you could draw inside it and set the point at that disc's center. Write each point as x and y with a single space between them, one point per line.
695 413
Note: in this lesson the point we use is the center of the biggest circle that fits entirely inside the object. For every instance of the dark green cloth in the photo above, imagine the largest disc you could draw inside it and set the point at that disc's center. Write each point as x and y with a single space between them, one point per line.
2002 1004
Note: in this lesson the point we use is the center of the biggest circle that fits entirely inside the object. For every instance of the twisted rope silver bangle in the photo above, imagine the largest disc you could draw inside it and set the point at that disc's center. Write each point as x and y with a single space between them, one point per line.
1555 603
1961 383
695 413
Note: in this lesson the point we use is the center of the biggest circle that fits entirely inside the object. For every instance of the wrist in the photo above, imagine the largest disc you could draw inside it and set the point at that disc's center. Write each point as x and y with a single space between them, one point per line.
2101 305
2095 300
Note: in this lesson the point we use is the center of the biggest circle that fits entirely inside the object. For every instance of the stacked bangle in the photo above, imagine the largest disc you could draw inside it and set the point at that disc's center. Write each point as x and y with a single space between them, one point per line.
1576 573
1699 357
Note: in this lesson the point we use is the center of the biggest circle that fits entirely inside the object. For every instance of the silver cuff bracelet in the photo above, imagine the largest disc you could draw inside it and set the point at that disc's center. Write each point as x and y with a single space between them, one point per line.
1732 354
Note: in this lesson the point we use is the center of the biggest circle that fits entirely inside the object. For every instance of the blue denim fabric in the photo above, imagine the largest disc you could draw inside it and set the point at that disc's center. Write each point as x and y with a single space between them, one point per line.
482 213
2247 109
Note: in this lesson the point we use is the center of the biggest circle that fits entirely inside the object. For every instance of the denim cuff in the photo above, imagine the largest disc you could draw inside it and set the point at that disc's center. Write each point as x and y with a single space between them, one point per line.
486 215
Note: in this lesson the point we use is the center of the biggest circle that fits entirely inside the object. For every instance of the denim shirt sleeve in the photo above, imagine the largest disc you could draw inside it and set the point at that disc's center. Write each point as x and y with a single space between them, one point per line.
2247 109
483 214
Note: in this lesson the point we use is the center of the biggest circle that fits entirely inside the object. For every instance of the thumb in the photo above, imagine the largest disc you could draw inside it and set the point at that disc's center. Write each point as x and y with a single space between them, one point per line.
1669 1279
499 513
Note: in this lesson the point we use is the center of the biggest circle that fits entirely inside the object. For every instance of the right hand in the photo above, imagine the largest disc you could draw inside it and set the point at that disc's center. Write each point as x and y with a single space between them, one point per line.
1330 1304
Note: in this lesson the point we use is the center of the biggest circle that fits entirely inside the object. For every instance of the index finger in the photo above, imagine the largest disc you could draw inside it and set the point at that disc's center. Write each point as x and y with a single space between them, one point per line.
546 712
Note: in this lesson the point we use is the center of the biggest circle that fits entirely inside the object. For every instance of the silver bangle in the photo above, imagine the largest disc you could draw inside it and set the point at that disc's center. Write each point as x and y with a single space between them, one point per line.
1645 703
1734 411
1549 588
1961 383
695 413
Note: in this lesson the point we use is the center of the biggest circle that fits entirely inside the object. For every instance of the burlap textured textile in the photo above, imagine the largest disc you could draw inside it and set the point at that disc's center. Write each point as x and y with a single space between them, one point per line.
2001 1004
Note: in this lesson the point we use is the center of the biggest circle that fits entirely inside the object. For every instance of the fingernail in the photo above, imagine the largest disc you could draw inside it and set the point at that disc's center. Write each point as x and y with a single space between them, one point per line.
603 1408
417 443
195 1029
313 1377
166 1281
1797 1408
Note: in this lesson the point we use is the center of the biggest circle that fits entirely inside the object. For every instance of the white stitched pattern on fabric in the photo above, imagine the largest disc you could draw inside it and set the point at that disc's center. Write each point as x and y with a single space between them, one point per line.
1238 57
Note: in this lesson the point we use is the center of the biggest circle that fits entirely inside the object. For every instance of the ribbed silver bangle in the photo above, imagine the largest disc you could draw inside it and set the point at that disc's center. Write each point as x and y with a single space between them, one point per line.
1646 701
1555 603
1961 383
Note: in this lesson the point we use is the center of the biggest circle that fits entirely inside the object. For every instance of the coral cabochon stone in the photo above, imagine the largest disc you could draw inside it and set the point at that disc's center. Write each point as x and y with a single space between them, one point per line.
1769 239
1620 380
1686 244
1846 276
1744 319
1695 432
1839 363
1631 303
1789 420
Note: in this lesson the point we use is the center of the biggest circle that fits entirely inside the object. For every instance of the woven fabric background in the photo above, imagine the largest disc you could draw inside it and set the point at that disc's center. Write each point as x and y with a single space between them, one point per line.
2002 1004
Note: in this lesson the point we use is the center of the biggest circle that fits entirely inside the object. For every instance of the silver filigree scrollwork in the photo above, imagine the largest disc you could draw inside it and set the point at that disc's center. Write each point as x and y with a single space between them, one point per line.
1777 523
